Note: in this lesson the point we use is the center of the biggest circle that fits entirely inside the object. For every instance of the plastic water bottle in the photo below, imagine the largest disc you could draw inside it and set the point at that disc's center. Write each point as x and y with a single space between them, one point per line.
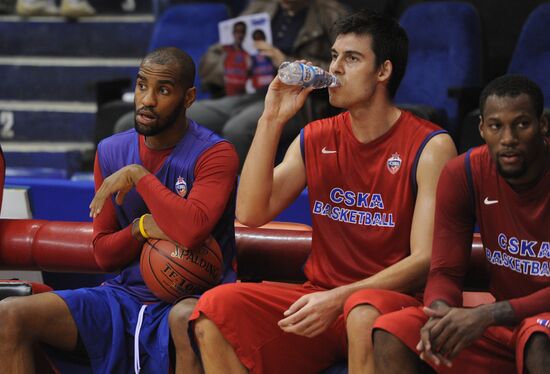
298 74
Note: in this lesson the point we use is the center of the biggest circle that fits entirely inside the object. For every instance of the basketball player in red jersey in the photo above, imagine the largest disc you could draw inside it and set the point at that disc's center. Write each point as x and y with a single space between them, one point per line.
505 186
371 174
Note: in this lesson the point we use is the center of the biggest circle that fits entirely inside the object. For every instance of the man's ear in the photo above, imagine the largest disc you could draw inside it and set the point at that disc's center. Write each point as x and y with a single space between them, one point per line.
190 96
385 71
544 124
481 127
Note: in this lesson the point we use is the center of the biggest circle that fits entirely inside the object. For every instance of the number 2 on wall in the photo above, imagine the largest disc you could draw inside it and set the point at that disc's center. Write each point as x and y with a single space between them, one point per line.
7 121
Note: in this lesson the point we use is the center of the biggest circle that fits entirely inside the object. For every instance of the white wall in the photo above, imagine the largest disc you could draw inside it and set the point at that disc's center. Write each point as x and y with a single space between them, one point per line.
15 204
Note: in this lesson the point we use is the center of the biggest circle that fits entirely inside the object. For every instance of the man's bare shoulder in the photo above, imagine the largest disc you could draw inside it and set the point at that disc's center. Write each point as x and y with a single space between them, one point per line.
441 145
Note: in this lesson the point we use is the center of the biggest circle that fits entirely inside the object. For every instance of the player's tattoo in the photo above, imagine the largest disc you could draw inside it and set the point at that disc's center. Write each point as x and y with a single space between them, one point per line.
503 313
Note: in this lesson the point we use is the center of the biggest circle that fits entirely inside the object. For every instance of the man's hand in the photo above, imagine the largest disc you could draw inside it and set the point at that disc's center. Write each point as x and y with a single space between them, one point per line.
120 183
458 328
283 101
275 54
425 346
312 314
450 330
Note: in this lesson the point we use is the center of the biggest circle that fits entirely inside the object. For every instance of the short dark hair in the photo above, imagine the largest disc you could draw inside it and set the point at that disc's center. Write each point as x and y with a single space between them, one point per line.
513 85
258 34
389 40
177 57
239 23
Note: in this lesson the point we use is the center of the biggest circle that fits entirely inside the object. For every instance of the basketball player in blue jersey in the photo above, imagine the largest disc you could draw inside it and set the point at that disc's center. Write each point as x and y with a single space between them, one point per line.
168 178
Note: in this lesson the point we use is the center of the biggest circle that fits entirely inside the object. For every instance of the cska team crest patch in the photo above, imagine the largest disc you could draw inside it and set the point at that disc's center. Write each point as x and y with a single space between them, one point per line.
181 186
394 163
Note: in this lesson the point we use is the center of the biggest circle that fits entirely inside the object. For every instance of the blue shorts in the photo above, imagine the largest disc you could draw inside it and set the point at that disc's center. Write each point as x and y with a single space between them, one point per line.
107 319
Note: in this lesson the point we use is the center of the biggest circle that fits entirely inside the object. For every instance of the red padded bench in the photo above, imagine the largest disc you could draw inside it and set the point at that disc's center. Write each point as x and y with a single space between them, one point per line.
274 252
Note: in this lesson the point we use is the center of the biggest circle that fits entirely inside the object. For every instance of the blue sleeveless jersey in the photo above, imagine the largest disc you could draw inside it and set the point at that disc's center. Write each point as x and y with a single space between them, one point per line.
178 169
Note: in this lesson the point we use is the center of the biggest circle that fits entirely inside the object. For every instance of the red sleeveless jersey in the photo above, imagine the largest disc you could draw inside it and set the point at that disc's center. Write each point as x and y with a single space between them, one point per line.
362 196
514 227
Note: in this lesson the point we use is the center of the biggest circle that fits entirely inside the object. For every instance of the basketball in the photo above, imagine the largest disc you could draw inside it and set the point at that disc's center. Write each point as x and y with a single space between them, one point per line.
172 272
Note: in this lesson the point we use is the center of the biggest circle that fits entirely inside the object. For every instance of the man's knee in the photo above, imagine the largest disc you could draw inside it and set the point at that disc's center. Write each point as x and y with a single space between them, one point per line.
538 342
537 352
12 324
383 340
362 317
178 320
206 331
394 356
387 346
178 317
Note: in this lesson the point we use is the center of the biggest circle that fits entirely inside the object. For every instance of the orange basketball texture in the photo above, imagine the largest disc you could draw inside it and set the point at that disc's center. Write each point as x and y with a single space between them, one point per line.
172 272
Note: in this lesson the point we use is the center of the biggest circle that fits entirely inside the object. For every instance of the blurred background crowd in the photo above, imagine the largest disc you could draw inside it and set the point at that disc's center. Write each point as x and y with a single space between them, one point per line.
67 66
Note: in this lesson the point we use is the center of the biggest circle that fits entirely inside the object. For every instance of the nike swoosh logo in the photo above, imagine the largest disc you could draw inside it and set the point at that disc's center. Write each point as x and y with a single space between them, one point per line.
326 151
489 202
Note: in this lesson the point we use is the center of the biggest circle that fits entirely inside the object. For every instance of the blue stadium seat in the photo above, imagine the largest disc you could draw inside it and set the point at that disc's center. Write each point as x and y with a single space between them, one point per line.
192 27
531 58
42 164
444 56
532 54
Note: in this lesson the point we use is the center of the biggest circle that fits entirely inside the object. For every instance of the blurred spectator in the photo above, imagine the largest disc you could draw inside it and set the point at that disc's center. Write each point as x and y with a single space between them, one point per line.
68 8
237 62
262 70
301 30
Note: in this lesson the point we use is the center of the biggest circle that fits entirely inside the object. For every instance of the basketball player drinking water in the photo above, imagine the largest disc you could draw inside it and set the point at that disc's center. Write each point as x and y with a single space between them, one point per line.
371 174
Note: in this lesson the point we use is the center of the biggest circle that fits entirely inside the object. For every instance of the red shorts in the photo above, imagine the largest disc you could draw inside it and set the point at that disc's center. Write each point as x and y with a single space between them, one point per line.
247 315
384 301
499 350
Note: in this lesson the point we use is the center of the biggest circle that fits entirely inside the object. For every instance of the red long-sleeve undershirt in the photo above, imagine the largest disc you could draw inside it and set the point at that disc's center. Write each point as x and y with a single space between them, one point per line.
452 240
187 221
454 218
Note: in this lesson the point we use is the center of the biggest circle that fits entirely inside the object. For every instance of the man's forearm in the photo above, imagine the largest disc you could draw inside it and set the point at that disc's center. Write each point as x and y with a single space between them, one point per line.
407 275
497 314
501 313
253 197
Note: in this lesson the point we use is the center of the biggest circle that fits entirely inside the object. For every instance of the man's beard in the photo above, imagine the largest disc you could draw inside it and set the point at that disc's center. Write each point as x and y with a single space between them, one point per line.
512 174
161 125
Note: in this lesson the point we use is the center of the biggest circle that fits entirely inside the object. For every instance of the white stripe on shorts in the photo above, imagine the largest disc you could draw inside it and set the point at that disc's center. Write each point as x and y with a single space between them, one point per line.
137 365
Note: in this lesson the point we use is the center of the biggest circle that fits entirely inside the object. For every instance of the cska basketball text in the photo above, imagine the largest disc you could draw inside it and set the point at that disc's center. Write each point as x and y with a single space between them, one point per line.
521 248
355 216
